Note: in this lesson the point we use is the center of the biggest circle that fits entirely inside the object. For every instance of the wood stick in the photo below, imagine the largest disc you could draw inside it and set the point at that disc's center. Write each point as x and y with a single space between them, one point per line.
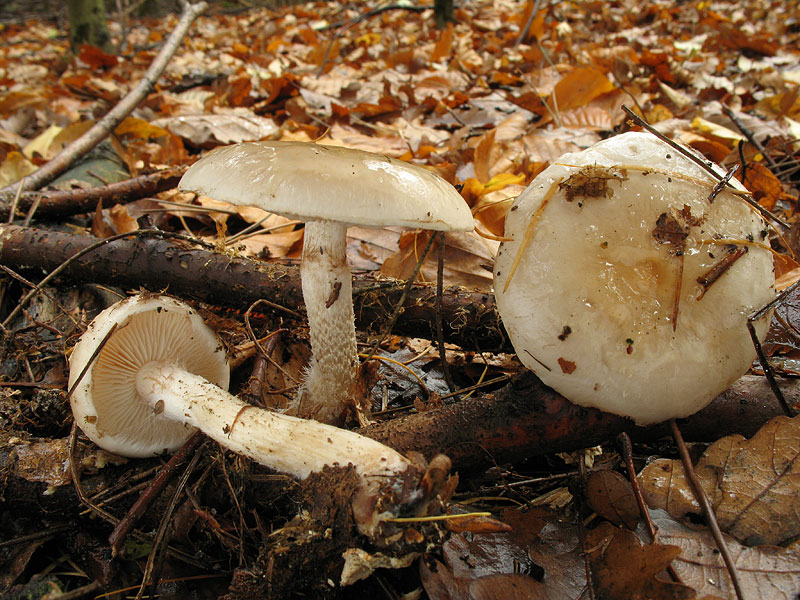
526 418
70 202
469 317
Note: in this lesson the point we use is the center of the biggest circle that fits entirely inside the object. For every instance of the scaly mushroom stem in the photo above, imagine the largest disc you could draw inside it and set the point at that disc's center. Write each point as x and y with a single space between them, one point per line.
284 443
328 296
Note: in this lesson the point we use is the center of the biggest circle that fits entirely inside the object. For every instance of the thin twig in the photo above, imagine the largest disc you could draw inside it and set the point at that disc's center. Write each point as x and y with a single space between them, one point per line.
769 373
749 135
578 500
167 472
439 327
401 303
159 548
626 450
705 504
706 166
100 130
524 33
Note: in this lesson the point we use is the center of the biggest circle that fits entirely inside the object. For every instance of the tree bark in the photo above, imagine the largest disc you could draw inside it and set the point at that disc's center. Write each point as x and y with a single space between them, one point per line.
87 24
469 317
71 202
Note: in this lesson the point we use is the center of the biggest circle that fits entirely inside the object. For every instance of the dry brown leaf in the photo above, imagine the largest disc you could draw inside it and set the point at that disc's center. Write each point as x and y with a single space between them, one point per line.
625 569
610 495
766 188
207 131
468 259
753 484
764 571
538 559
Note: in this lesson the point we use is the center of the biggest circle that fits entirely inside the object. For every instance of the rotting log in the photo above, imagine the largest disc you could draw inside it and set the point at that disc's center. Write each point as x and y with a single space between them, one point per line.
527 418
469 317
58 203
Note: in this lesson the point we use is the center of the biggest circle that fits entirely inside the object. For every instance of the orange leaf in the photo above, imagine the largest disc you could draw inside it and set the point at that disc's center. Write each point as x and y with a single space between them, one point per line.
482 153
444 46
579 87
96 58
766 188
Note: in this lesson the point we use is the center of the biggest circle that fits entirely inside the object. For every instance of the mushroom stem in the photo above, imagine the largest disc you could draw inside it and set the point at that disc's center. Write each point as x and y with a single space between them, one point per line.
287 444
328 296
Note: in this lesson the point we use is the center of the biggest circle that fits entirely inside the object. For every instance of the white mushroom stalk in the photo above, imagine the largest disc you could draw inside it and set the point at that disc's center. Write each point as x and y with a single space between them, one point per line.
149 387
628 284
328 296
329 188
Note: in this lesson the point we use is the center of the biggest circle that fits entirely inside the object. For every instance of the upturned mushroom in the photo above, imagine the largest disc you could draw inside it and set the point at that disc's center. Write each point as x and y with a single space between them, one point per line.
162 372
628 283
329 188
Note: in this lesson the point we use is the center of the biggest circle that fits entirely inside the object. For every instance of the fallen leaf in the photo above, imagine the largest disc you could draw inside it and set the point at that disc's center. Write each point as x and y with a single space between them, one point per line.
610 495
752 484
626 569
763 571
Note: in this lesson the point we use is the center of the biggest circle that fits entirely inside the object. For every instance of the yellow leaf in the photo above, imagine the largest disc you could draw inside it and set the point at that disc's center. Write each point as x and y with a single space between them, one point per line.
501 180
42 144
14 168
139 128
718 131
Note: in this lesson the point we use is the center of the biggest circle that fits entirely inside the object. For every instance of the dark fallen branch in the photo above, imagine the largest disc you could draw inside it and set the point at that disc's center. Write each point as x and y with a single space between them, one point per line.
71 202
526 418
469 318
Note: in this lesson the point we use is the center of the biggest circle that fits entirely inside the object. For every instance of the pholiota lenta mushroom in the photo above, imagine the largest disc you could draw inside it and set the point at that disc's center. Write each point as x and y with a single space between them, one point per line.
629 282
162 372
328 188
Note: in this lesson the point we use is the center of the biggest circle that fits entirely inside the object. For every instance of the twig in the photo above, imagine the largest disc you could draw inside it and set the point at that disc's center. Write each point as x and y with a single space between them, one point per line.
12 211
578 500
524 33
159 548
439 328
100 130
167 472
400 303
706 166
626 450
708 511
762 358
749 135
60 203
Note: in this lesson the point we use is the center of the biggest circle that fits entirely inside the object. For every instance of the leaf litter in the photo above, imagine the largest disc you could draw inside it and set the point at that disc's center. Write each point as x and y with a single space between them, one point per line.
486 110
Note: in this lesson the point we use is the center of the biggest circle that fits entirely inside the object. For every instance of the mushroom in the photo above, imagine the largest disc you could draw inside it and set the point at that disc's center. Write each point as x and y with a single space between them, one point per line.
162 372
329 188
628 283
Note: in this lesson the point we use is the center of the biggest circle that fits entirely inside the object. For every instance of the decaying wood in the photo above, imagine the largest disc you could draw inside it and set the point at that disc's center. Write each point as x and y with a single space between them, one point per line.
526 418
100 130
469 318
70 202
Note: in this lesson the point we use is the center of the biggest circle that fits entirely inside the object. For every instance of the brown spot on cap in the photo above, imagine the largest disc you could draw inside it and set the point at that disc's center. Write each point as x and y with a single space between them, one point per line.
567 366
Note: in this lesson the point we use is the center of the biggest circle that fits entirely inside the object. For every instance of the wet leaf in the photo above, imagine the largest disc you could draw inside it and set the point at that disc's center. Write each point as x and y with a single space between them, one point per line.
610 495
752 484
764 571
624 568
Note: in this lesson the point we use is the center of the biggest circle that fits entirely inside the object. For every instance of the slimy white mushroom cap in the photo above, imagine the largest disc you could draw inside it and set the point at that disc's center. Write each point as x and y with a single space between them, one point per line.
626 288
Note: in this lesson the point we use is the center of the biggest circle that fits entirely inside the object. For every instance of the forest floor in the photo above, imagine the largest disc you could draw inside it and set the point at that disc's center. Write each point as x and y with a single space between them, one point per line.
488 104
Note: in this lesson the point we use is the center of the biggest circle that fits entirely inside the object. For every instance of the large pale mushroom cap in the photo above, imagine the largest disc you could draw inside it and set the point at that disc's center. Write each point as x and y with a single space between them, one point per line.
307 181
106 404
590 307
